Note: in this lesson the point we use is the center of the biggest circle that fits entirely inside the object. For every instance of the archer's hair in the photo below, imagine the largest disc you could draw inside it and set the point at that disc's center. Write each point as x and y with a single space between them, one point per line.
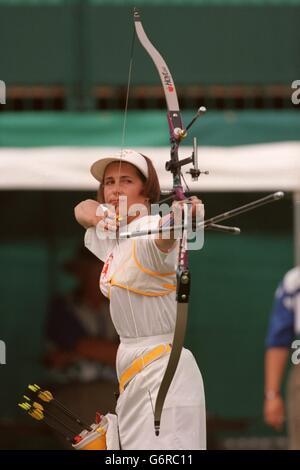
151 184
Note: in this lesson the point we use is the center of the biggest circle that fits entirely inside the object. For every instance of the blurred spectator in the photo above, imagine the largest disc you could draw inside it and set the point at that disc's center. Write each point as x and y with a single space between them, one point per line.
283 330
82 342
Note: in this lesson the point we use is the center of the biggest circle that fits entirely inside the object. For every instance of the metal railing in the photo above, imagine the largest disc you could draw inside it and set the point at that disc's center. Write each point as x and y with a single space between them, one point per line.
219 97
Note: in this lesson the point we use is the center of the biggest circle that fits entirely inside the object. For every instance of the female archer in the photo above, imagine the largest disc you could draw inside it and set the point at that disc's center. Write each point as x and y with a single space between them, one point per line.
140 281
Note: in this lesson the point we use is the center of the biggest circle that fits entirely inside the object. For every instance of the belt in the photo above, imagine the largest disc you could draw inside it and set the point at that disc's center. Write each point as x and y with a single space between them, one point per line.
141 362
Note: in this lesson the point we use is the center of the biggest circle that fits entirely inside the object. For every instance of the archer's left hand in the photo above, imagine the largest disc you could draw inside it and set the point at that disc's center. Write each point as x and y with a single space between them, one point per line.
194 204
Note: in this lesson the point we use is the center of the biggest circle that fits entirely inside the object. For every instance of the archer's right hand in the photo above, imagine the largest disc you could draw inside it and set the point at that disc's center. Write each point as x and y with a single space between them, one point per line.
90 213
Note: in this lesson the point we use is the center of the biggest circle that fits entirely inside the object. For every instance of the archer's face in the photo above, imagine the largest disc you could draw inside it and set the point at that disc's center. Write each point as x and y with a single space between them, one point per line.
123 180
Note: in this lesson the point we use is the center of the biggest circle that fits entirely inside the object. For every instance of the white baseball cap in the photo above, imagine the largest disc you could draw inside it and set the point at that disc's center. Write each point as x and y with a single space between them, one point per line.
126 155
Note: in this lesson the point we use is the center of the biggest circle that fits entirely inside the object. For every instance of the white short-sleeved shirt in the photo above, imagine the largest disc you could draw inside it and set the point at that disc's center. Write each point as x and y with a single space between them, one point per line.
135 315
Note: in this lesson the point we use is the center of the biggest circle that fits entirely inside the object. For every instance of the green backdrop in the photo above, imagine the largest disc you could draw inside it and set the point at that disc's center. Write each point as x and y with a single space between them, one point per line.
81 44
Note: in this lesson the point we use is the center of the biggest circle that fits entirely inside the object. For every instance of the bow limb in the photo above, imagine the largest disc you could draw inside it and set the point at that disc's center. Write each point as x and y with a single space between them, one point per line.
183 275
174 117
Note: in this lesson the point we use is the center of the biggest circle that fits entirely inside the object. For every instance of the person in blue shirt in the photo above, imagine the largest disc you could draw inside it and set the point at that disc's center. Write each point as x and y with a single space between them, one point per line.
284 328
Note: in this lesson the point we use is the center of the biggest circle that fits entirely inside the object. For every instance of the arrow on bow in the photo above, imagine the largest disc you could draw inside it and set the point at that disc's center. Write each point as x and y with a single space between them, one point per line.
177 133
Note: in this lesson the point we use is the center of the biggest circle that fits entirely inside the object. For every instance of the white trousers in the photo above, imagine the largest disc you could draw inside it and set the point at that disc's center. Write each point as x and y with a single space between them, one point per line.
183 422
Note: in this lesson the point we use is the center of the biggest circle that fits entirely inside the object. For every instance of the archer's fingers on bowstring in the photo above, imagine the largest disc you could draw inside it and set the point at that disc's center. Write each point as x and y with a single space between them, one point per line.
101 210
108 225
104 213
108 219
112 223
111 216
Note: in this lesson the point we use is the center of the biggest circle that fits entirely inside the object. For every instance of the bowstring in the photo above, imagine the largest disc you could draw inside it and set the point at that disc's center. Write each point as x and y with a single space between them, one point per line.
119 173
127 95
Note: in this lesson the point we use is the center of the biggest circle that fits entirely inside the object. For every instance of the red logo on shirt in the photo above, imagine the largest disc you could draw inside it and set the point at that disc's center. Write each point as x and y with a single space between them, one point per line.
106 266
